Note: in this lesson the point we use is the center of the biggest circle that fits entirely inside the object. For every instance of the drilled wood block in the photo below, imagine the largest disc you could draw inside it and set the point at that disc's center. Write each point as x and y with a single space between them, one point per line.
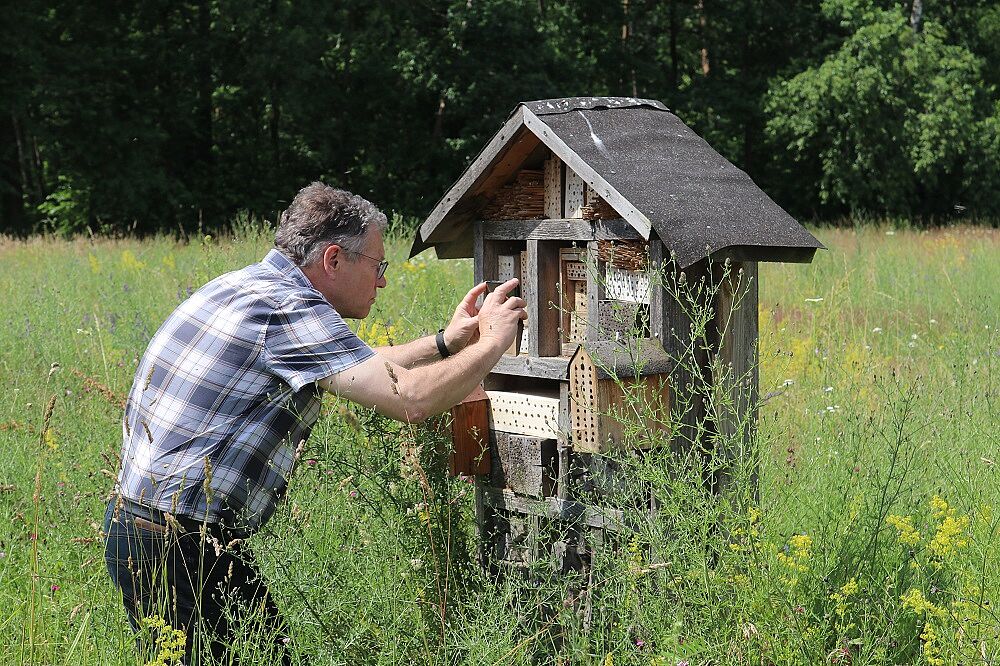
617 319
506 265
576 270
574 202
572 253
524 414
623 285
578 313
584 418
553 188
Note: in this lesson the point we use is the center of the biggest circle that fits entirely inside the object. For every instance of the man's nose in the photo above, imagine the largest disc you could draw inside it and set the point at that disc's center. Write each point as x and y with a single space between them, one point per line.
381 282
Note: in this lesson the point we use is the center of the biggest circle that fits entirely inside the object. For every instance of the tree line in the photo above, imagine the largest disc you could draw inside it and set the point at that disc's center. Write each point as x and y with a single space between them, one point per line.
160 115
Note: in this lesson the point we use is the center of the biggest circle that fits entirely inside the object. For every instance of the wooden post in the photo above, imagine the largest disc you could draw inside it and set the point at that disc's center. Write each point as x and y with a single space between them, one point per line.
736 323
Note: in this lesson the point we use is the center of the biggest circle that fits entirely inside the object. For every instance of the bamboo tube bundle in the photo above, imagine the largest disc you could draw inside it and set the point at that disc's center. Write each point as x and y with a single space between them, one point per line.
627 255
523 199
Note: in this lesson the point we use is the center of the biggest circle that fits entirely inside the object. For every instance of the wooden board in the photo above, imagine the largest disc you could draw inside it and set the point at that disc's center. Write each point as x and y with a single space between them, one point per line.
560 229
583 406
524 414
543 308
470 433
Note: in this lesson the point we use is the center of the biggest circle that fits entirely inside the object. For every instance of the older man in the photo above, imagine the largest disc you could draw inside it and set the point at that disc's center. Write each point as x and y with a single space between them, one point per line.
230 386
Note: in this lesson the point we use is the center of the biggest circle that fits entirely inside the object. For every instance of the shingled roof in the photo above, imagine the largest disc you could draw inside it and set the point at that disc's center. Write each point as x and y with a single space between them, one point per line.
642 160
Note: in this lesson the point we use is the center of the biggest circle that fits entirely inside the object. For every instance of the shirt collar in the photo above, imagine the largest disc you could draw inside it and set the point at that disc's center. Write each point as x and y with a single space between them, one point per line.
277 261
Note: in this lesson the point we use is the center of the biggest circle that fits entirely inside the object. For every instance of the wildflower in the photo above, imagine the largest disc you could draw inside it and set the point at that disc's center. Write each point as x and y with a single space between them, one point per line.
877 329
50 439
950 534
842 596
54 588
915 602
95 264
129 261
908 535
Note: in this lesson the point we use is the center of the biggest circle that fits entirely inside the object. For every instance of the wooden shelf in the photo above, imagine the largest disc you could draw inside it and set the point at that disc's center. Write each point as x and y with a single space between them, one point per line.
544 367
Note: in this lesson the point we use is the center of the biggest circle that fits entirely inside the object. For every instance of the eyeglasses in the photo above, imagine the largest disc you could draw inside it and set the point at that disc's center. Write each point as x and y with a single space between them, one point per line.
382 264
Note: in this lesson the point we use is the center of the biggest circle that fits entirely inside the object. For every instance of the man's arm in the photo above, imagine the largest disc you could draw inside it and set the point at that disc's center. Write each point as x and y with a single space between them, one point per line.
460 332
413 394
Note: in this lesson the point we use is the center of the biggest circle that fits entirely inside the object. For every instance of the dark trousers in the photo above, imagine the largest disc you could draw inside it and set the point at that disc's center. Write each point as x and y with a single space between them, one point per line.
194 579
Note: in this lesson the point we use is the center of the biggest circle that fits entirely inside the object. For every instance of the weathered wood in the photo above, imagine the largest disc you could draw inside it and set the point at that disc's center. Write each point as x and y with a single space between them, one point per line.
524 465
547 367
736 324
656 292
560 229
573 161
478 260
543 312
555 508
690 372
563 443
575 198
595 291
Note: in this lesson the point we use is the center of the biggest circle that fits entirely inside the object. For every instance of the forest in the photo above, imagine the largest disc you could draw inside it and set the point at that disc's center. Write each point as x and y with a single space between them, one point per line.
165 116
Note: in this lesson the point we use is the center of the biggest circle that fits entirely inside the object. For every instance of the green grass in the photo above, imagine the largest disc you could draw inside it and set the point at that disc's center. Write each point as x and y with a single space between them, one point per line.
880 366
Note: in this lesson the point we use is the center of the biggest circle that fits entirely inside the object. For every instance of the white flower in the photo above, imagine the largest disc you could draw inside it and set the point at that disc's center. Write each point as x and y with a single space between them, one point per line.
828 389
933 321
788 382
877 329
818 299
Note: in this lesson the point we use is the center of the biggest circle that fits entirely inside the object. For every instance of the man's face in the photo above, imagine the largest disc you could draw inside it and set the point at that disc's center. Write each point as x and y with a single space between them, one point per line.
356 281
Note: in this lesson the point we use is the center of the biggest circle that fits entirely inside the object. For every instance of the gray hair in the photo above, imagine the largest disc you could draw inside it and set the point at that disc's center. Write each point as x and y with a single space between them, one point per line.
320 216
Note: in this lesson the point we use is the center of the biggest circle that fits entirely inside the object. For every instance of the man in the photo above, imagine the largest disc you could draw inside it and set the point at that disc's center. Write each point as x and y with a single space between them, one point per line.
229 387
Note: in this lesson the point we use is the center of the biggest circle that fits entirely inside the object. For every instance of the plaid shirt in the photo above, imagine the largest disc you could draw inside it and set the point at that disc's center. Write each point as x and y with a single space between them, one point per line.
225 392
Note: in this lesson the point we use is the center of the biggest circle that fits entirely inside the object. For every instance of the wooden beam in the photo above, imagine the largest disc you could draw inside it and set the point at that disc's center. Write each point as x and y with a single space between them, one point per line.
736 322
563 230
542 367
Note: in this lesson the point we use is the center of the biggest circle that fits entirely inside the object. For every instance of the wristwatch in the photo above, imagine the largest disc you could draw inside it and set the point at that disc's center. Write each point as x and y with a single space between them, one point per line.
442 347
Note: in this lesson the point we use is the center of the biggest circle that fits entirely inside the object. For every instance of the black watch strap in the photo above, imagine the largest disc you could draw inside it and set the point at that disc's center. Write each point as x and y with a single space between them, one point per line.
442 347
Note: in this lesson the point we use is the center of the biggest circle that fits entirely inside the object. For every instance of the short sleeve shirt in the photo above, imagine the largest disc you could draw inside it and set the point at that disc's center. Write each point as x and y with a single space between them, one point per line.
227 390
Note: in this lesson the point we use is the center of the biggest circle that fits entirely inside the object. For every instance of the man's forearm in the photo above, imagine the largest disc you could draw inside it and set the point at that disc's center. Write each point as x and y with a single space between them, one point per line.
412 354
437 387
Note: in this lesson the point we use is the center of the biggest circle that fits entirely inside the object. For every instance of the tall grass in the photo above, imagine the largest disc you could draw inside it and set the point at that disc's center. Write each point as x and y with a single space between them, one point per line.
871 540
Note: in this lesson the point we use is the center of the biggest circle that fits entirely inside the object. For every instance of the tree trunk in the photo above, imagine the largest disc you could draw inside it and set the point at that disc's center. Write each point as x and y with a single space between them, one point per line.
11 178
917 16
703 24
627 29
673 45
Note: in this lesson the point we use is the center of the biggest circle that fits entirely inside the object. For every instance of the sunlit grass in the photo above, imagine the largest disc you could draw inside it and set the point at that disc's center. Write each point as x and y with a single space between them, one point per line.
879 496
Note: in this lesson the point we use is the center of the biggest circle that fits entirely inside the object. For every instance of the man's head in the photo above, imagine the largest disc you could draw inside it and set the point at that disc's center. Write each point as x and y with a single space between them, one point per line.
335 237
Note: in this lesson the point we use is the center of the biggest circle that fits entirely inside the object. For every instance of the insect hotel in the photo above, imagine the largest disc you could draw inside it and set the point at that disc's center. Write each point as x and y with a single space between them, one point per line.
602 206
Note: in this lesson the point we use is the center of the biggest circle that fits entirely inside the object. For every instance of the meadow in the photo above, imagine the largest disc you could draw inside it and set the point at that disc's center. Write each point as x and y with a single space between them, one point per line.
872 540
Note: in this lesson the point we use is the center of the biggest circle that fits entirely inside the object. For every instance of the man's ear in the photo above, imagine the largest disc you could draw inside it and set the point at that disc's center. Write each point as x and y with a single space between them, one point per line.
332 257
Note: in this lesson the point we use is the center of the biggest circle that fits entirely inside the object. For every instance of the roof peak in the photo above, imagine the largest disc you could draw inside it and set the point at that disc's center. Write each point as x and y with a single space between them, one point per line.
546 107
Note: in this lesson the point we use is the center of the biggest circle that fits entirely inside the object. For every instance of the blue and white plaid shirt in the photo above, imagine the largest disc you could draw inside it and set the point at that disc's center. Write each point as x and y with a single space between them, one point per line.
226 391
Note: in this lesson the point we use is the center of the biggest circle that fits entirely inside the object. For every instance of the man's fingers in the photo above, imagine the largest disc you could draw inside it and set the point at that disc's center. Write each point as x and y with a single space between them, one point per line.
503 290
515 303
469 302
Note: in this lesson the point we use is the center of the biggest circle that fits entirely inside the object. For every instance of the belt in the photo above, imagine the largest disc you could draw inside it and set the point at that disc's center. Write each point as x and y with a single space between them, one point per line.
155 520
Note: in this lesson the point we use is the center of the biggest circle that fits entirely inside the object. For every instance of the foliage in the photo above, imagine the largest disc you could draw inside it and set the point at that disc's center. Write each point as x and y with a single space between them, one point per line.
890 120
171 116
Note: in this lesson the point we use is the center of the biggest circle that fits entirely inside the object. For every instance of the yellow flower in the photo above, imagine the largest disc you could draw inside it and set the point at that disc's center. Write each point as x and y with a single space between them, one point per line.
169 642
908 535
918 604
95 264
169 262
841 597
129 262
50 439
950 534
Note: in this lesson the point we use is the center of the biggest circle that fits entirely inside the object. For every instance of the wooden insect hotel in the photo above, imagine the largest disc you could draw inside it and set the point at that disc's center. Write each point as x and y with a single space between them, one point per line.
602 207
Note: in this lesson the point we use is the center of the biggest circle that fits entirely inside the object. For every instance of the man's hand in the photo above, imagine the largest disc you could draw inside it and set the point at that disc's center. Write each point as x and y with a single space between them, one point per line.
463 330
499 316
